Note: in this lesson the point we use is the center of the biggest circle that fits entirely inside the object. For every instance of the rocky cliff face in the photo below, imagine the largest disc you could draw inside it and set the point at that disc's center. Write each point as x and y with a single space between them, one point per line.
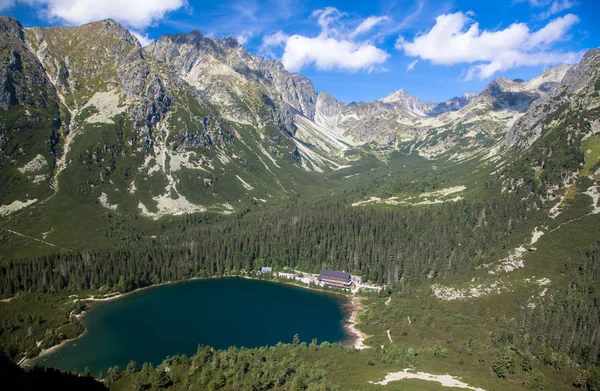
104 57
23 80
226 73
573 101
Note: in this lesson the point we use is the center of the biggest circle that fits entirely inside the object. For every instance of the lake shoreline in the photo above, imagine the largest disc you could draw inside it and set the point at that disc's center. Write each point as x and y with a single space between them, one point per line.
351 308
27 361
357 337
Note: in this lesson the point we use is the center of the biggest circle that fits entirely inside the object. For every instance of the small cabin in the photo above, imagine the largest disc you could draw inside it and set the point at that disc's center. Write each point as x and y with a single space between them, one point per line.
335 278
266 269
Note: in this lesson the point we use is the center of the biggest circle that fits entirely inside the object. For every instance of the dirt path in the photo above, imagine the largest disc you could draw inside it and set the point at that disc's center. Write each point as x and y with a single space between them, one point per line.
390 336
37 240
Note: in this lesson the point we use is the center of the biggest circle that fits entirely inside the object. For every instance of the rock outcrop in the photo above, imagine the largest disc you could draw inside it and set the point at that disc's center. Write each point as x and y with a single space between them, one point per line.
578 87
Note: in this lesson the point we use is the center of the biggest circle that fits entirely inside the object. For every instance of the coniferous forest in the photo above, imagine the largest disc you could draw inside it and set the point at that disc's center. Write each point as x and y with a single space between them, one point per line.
385 246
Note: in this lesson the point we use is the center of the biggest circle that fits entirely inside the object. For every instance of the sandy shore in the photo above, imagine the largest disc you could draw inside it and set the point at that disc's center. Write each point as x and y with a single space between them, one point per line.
358 337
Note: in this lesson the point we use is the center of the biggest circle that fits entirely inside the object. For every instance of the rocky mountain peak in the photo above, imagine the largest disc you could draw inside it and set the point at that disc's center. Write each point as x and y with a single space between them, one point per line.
411 103
20 71
327 105
108 28
497 87
548 79
324 95
231 42
568 85
577 77
226 68
11 26
398 96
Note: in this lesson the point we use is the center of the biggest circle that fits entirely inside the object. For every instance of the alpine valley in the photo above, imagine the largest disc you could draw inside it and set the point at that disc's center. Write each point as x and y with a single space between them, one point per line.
125 166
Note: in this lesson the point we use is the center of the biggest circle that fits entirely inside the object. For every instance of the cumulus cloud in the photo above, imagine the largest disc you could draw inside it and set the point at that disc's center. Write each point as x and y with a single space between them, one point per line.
271 41
137 14
456 38
411 66
336 47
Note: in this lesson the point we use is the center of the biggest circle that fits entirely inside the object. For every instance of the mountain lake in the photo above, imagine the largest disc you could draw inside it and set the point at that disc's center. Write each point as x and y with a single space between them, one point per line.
149 325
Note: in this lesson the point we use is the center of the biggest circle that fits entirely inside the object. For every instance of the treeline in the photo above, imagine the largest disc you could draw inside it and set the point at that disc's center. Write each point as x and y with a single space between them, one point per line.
265 368
400 245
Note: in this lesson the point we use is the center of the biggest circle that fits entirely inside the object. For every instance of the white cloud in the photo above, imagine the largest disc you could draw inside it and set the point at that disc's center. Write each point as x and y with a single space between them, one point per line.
329 53
455 38
367 24
244 37
336 47
539 3
6 4
557 7
275 39
137 14
271 41
411 66
144 39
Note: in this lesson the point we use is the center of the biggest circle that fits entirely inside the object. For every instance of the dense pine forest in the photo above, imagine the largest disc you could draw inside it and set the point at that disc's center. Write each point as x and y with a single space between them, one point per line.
566 326
386 246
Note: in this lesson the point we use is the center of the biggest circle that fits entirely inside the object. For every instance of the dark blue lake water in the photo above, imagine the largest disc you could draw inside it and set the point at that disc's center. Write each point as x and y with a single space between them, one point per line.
174 319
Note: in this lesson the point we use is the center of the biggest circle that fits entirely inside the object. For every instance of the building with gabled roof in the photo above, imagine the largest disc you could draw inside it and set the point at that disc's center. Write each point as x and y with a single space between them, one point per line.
335 278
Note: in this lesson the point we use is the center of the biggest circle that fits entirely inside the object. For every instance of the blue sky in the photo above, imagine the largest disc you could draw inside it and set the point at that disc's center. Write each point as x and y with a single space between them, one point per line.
364 50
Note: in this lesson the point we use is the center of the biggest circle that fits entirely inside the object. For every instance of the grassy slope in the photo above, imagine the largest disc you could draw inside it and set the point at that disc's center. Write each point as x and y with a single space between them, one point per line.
463 328
448 337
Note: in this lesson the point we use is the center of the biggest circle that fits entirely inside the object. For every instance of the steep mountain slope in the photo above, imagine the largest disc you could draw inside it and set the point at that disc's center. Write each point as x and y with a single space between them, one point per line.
576 97
249 89
212 63
140 136
31 121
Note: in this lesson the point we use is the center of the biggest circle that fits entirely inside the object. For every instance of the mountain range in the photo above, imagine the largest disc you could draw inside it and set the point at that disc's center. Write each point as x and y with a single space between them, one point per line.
191 123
